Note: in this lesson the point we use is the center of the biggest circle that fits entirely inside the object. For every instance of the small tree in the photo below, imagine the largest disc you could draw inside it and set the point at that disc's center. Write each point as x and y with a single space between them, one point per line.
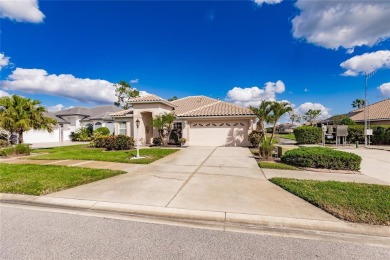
18 115
358 103
124 92
311 115
295 118
262 113
164 125
278 110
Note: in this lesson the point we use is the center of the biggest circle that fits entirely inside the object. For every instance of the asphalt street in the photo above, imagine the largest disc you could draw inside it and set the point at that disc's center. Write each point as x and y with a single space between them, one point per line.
36 234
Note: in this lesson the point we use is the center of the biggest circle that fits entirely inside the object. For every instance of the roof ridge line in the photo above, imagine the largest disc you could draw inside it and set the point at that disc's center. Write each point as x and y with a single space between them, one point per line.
204 106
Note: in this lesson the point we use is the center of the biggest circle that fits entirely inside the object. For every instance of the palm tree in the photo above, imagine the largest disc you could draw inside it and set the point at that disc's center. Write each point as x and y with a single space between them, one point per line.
262 113
358 103
278 110
295 118
163 123
18 115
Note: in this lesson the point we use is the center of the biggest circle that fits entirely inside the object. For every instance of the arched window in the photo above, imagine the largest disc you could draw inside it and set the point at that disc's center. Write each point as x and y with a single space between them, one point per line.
97 125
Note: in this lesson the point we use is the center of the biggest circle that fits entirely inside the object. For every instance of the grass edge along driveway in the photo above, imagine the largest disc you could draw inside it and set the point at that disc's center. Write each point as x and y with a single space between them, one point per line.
354 202
44 179
83 152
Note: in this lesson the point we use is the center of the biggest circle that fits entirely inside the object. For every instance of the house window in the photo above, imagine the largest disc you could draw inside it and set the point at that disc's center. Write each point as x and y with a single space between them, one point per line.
122 128
177 129
97 125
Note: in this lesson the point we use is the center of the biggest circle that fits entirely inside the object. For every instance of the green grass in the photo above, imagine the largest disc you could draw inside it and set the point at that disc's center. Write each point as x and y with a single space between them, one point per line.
43 179
83 152
354 202
277 165
287 136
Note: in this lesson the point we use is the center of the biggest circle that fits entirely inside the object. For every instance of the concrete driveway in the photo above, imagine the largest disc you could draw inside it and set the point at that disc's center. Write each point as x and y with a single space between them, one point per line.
221 179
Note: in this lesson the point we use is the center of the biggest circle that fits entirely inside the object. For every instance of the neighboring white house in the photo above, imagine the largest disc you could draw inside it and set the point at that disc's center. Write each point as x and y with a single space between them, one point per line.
199 119
69 120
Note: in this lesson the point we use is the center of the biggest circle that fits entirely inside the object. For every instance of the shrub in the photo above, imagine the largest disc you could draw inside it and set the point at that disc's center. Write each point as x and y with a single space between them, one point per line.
3 143
320 157
102 131
355 134
266 149
157 141
308 135
118 142
22 149
5 152
82 134
183 140
255 138
98 140
347 121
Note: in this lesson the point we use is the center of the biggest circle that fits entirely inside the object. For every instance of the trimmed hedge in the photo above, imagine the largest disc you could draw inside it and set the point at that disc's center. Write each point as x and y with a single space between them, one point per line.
320 157
308 135
381 134
19 149
113 142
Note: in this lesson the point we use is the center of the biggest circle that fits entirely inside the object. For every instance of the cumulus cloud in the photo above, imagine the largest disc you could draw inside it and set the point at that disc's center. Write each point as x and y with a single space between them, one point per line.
366 63
302 109
4 61
347 23
3 93
21 10
385 89
270 2
254 95
39 81
134 81
55 108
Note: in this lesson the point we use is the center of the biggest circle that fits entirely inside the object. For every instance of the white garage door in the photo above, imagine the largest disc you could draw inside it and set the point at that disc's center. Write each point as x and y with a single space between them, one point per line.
231 133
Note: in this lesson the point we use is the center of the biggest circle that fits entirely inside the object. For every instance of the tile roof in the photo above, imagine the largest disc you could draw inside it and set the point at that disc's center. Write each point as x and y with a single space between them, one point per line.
150 98
195 106
122 112
377 111
90 112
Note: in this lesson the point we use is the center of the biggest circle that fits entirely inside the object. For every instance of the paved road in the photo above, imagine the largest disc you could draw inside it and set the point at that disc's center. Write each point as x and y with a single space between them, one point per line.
218 179
31 234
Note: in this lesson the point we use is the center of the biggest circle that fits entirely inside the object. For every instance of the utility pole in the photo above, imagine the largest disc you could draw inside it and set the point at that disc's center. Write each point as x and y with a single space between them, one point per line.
366 113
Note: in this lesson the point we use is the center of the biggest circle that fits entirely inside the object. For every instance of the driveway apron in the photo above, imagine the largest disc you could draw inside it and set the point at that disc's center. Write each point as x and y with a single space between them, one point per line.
223 179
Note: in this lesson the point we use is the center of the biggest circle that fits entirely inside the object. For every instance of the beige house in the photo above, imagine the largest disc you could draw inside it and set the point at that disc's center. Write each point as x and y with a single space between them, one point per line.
378 113
203 121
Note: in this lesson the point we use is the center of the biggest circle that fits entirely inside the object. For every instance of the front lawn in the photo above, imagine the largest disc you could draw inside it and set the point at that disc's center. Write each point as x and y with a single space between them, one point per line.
287 136
43 179
277 165
355 202
83 152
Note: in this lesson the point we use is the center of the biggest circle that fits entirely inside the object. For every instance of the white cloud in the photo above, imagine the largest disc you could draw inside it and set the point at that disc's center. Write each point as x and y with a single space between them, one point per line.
38 81
21 10
305 90
366 63
134 81
254 95
271 2
4 61
55 108
302 109
3 93
342 23
385 89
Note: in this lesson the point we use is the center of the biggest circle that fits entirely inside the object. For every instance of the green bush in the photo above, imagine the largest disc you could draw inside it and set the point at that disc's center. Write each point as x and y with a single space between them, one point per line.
157 141
3 143
347 121
5 152
381 134
82 134
320 157
266 149
308 135
22 149
254 138
98 140
102 131
119 142
355 134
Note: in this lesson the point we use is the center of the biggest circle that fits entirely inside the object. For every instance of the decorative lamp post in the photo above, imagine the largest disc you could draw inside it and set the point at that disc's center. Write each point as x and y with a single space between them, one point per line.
137 122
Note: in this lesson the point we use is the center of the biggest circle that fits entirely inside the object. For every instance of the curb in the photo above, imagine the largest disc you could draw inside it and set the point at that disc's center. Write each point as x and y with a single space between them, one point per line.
225 218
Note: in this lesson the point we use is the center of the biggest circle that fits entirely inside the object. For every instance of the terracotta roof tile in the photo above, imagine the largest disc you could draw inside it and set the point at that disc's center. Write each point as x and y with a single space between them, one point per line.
377 111
150 98
122 113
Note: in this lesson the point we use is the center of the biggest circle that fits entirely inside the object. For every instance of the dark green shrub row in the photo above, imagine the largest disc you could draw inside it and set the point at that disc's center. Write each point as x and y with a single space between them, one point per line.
254 138
381 134
308 135
113 142
320 157
19 149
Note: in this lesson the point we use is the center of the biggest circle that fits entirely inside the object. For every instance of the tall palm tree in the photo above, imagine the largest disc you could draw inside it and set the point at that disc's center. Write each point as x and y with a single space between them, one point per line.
262 113
358 103
18 115
278 110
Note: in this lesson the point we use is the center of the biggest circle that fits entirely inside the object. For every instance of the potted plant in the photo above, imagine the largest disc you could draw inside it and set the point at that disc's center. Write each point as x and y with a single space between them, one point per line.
182 141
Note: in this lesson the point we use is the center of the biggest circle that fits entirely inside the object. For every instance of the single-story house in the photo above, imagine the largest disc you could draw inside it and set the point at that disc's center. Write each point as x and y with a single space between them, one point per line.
378 113
201 120
285 128
71 119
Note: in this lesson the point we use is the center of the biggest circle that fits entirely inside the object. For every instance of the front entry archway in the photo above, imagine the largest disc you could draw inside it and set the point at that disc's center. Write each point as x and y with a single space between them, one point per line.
147 122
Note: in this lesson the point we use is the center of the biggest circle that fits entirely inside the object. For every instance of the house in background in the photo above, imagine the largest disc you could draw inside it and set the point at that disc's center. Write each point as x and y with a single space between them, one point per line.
378 113
203 121
70 120
285 128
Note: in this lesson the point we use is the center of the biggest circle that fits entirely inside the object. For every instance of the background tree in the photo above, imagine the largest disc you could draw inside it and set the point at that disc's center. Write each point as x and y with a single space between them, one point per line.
358 103
262 113
278 109
164 125
173 98
123 93
311 115
295 118
18 115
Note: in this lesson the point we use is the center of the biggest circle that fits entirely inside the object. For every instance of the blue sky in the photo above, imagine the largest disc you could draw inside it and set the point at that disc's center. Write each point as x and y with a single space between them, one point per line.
67 53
